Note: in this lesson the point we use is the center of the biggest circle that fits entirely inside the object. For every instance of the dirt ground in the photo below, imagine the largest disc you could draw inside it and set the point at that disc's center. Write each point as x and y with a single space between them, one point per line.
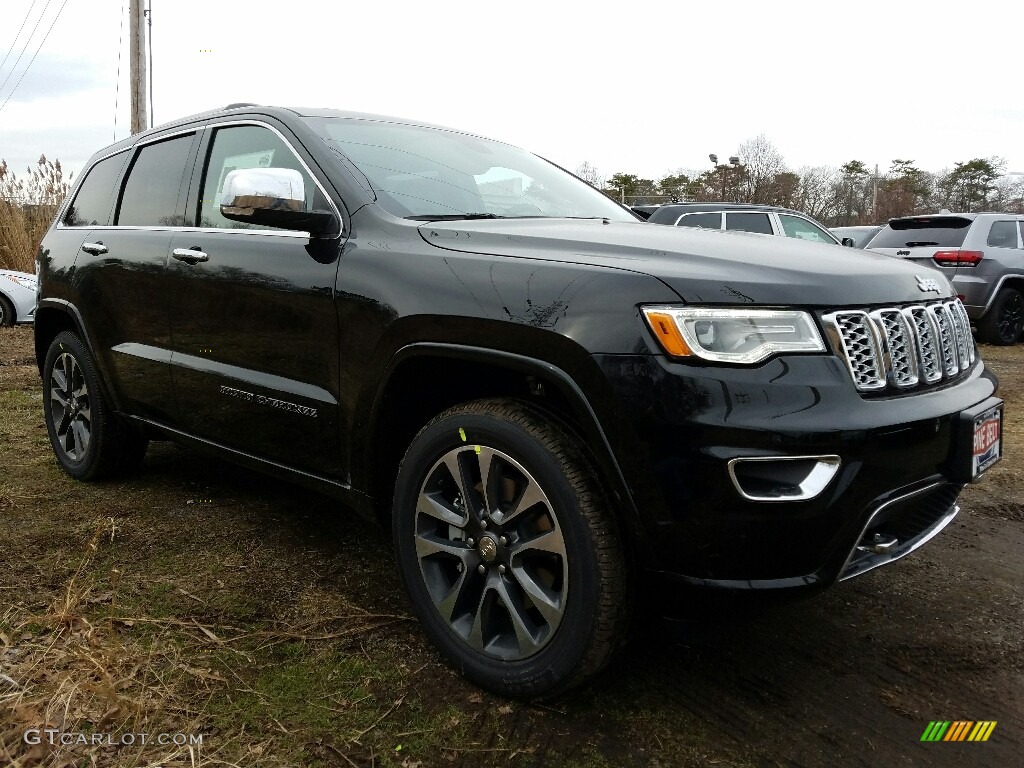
198 598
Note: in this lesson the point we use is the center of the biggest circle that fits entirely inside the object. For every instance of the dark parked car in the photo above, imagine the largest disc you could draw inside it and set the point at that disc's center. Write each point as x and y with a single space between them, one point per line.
861 235
982 254
745 217
543 398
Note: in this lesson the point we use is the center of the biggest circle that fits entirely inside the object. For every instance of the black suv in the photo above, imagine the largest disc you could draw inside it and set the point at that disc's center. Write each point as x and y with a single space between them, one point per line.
541 396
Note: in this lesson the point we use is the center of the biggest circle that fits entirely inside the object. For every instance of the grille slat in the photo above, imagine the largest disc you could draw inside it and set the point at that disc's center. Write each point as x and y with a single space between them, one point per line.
903 347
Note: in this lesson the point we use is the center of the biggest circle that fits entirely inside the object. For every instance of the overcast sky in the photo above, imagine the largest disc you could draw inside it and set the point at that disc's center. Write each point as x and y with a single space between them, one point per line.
644 88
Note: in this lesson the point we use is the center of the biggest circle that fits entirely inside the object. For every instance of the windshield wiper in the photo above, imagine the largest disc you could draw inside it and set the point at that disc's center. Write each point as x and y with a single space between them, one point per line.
454 216
916 243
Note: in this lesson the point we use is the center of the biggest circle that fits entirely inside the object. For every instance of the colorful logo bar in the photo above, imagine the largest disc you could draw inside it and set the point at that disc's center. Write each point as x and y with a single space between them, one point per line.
958 730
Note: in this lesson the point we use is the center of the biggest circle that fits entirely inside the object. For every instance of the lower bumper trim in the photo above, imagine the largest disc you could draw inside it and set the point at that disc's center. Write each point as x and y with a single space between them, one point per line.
912 520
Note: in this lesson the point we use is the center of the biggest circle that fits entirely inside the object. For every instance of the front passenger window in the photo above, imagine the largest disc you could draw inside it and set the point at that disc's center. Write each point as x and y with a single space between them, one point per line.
802 229
247 146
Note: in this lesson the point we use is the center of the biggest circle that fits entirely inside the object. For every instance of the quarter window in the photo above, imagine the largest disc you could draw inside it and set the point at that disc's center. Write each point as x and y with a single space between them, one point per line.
794 226
748 222
1003 234
248 146
91 206
150 196
701 220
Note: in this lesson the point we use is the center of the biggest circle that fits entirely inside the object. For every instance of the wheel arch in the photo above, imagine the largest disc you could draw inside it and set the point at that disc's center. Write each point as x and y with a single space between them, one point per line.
54 316
464 373
1014 280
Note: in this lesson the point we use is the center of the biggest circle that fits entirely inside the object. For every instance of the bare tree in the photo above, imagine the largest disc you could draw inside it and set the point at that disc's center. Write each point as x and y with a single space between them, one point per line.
590 174
761 163
817 196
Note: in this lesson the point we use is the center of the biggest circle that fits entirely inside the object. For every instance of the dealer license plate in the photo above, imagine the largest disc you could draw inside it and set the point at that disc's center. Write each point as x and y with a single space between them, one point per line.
988 440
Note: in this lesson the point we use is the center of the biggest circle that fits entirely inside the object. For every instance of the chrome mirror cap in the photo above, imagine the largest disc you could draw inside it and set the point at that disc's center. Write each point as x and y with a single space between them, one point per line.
247 190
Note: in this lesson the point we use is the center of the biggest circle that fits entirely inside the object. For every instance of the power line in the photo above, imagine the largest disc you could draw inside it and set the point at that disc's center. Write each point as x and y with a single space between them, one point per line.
41 44
28 42
14 42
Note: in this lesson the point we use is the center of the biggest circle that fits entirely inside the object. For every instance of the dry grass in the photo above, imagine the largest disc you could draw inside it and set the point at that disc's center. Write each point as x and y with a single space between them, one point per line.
72 675
27 206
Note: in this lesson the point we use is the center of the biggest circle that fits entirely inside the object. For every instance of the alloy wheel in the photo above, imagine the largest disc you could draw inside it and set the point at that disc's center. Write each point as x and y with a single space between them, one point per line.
70 407
1011 318
491 552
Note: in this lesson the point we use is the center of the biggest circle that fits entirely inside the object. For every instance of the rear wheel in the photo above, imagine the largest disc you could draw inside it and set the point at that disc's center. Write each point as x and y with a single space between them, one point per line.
1004 321
508 551
88 438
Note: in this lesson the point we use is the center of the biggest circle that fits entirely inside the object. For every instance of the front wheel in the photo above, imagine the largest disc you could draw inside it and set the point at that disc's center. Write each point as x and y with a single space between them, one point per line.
1004 321
6 312
508 551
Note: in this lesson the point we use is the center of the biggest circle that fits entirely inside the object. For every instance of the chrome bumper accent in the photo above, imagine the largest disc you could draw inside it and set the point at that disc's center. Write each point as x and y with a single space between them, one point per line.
866 555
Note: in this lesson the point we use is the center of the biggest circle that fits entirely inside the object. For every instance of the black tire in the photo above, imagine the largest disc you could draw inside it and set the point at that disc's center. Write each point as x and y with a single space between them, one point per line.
556 563
1003 323
7 317
87 437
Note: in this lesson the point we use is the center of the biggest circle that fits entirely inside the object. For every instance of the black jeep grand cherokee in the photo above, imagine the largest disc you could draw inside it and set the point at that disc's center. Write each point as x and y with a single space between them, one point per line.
541 395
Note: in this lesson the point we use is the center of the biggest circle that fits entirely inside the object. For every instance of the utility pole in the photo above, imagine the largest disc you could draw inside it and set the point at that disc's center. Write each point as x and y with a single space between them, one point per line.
874 198
137 55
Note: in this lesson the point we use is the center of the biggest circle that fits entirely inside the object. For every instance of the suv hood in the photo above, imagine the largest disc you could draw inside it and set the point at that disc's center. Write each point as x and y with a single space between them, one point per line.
702 266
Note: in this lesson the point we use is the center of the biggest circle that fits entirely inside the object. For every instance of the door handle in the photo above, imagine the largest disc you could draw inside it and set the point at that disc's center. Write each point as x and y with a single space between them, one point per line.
96 249
189 255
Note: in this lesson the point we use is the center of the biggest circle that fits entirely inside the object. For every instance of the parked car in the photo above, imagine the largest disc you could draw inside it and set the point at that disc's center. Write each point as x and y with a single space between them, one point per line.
547 401
644 211
861 236
17 297
744 217
982 254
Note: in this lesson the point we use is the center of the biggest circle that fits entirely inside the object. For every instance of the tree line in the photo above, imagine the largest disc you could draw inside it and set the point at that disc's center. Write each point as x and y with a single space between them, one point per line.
848 195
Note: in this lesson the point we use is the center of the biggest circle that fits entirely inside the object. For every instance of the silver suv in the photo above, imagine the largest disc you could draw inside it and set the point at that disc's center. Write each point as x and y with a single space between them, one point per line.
982 254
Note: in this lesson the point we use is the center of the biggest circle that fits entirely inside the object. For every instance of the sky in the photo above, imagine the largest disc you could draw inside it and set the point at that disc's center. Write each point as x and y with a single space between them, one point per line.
645 88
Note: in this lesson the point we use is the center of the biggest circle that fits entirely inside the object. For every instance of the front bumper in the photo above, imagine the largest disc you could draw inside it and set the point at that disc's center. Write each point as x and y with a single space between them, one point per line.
681 425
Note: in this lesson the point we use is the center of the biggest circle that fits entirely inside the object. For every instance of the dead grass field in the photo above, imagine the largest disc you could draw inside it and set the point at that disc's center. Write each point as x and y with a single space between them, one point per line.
199 598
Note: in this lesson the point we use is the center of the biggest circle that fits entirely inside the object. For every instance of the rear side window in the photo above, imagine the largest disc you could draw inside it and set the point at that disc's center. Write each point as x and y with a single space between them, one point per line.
91 206
150 196
701 220
748 222
1003 234
802 229
941 231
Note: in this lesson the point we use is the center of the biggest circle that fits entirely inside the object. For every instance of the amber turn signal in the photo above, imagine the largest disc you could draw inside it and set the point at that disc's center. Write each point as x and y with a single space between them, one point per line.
667 333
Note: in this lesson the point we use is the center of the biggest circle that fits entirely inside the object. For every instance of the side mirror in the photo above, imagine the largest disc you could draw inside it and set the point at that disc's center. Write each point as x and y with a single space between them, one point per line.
273 197
849 242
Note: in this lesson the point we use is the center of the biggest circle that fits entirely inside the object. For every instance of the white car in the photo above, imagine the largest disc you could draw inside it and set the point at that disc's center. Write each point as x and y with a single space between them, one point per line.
17 297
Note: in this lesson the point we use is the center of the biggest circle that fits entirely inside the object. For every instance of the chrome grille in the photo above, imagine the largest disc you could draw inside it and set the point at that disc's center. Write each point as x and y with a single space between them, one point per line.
927 343
962 324
897 341
860 347
943 321
903 347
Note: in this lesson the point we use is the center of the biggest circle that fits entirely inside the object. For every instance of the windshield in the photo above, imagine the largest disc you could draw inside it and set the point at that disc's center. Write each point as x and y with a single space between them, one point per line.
426 173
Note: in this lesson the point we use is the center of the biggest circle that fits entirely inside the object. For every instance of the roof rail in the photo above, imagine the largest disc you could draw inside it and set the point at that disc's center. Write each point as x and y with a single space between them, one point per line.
238 104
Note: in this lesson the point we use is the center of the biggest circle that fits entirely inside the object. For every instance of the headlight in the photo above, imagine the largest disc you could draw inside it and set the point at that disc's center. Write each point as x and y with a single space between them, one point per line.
732 335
